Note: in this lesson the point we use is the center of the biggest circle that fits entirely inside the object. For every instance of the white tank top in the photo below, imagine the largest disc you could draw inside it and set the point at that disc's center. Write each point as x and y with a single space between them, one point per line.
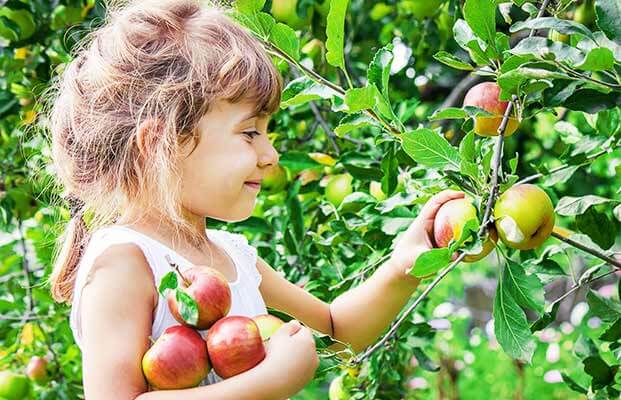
246 298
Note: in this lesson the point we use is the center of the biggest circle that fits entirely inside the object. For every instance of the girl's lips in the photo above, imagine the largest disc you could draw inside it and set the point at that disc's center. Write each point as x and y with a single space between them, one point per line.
253 185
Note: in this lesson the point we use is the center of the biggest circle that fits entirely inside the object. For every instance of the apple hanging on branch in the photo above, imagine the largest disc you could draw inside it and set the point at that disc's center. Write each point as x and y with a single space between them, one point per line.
524 216
201 298
486 96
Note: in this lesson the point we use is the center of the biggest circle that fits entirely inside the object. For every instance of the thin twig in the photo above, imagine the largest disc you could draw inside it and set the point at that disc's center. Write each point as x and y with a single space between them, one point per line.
593 252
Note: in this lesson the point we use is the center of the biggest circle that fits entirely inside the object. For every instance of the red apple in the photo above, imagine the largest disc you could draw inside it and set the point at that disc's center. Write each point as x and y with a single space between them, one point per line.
449 224
234 345
486 96
37 369
268 324
177 360
211 292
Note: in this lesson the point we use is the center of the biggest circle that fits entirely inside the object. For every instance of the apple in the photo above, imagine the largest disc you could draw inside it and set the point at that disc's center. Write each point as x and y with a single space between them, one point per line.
36 369
14 386
177 360
286 11
585 13
211 292
449 224
524 216
422 8
268 324
234 345
338 187
336 390
275 180
375 188
486 96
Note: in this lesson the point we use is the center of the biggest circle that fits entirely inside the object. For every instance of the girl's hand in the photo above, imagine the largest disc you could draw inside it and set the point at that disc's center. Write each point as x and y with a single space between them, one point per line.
291 357
419 236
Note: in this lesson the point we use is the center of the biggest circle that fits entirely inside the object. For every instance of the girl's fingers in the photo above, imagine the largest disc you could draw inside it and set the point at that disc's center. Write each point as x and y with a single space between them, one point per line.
432 206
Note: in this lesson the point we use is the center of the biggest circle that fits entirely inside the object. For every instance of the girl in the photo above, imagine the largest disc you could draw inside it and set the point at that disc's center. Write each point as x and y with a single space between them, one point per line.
159 122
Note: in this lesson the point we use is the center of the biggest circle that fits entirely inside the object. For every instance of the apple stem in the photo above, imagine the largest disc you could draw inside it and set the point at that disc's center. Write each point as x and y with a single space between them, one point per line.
174 266
151 340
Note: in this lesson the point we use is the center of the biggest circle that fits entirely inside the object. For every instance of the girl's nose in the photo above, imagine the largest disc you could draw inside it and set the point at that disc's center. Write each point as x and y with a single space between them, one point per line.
269 155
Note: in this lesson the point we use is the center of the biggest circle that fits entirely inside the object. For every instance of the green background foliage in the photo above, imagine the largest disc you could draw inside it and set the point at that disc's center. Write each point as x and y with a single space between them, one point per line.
374 90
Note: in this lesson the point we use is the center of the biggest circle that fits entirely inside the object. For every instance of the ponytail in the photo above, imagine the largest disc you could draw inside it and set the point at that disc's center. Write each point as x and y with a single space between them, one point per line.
71 243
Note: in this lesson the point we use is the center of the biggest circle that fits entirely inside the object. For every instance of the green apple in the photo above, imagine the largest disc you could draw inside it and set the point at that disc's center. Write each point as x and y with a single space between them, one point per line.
275 180
585 13
286 11
339 187
14 386
524 217
422 8
268 324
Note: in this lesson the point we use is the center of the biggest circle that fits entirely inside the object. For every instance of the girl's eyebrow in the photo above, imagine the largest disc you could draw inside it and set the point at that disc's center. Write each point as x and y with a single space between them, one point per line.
248 116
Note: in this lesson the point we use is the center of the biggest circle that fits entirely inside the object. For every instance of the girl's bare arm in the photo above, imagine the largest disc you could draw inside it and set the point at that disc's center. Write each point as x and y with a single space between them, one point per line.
117 308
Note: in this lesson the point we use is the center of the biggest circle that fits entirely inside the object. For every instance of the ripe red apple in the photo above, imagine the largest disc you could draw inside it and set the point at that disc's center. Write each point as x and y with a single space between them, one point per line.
524 217
177 360
234 345
211 292
449 224
37 369
268 324
486 96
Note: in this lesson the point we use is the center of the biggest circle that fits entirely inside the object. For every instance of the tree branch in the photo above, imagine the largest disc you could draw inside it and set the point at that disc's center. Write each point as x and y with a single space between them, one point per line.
586 249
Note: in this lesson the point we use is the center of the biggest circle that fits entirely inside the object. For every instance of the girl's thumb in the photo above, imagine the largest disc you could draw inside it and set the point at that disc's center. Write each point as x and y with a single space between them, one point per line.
291 327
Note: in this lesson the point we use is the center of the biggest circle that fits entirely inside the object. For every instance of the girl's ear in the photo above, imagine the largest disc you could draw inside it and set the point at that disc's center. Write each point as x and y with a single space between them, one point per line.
148 135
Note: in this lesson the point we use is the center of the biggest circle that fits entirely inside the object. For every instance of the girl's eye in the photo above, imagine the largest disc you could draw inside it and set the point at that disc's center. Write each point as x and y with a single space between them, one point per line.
252 133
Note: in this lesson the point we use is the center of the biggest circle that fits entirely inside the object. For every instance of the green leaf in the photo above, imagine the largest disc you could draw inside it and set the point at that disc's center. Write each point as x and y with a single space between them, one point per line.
379 69
424 361
560 25
466 147
335 33
303 90
481 17
449 113
512 80
249 6
431 261
598 226
466 39
569 205
188 309
431 149
573 385
607 310
452 61
168 282
540 46
546 319
617 212
511 327
613 333
297 161
283 37
601 373
358 99
608 16
598 59
527 290
354 121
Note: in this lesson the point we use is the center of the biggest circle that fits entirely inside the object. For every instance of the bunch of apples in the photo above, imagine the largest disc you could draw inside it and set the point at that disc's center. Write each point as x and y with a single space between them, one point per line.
523 215
181 358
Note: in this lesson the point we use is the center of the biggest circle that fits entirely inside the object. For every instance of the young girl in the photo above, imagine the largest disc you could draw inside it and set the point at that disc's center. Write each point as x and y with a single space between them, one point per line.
159 122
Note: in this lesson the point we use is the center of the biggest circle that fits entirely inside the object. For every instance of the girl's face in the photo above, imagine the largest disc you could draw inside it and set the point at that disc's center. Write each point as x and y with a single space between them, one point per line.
233 151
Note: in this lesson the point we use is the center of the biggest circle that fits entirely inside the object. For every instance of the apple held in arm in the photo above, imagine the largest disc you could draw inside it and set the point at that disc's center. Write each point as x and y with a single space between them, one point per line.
449 224
211 292
177 360
486 95
234 345
524 217
268 324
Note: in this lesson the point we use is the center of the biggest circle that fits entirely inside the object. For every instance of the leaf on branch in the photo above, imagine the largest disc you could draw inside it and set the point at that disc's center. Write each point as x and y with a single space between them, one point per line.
608 16
431 149
569 205
564 26
431 261
527 290
481 17
354 121
335 32
606 309
303 90
452 61
510 325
